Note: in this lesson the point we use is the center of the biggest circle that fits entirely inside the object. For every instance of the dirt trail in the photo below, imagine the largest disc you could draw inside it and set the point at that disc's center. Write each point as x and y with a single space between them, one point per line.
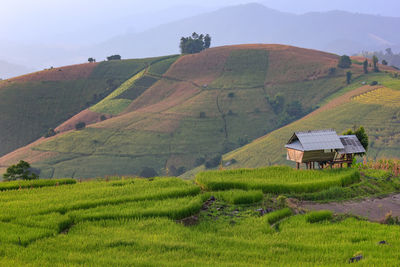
373 209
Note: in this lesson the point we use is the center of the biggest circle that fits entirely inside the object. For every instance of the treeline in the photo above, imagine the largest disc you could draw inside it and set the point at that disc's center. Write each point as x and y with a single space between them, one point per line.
387 57
195 43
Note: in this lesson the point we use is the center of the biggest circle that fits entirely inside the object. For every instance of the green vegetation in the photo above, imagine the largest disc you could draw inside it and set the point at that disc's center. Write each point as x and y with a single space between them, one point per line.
241 196
278 215
161 67
244 69
20 171
195 43
112 105
361 136
210 103
344 62
51 102
277 179
169 222
377 111
319 216
35 183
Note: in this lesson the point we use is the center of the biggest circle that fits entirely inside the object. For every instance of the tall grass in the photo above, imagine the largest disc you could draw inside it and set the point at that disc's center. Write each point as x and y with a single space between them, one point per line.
277 179
241 196
34 183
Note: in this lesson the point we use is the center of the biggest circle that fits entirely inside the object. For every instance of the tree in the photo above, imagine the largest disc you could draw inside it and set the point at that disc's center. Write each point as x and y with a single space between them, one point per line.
148 172
294 109
114 57
375 60
50 133
384 62
365 65
80 125
195 43
361 136
348 77
207 41
91 60
22 170
344 62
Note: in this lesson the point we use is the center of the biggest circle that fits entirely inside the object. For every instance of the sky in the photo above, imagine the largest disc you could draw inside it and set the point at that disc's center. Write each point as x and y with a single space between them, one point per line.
69 22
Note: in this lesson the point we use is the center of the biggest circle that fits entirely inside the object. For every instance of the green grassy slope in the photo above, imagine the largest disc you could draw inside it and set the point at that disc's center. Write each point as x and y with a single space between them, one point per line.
196 107
32 104
377 111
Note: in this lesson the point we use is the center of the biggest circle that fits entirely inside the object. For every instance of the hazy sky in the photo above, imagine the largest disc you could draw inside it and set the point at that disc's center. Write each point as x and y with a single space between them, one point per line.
68 22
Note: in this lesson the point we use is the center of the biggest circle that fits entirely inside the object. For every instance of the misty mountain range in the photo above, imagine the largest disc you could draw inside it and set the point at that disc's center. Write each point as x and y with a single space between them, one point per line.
335 31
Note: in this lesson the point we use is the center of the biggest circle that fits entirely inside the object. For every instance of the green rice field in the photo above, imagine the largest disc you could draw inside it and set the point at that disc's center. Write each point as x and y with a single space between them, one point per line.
146 222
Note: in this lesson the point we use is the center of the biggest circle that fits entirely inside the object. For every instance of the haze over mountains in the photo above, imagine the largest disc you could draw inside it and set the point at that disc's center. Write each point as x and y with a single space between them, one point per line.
334 31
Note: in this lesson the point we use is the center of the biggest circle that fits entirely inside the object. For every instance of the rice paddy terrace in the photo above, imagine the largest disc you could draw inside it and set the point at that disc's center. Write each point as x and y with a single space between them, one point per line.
173 113
172 222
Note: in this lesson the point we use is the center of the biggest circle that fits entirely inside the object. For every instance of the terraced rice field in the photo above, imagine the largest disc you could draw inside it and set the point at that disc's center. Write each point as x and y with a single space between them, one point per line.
145 222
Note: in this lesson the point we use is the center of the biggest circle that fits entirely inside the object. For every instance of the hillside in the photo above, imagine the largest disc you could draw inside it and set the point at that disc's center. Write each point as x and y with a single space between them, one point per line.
374 107
181 111
33 103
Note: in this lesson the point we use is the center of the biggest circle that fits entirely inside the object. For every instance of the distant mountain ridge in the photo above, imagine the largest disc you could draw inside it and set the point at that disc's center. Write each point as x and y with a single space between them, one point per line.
8 70
335 31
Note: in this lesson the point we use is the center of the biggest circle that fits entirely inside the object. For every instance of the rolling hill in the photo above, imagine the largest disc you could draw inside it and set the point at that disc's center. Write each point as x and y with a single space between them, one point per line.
178 112
33 103
374 107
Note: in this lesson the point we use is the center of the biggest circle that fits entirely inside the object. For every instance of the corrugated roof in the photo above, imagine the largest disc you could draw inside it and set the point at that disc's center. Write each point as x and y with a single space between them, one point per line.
317 140
295 145
351 145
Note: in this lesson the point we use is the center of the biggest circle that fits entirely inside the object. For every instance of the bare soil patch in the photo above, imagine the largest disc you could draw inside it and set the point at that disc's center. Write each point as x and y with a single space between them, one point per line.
373 209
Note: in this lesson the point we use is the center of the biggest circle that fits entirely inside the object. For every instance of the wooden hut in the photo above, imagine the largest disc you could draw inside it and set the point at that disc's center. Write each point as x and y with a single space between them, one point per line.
324 147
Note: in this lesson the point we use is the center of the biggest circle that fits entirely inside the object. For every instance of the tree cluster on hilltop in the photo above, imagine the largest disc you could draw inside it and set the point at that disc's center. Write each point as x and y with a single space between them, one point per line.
387 57
195 43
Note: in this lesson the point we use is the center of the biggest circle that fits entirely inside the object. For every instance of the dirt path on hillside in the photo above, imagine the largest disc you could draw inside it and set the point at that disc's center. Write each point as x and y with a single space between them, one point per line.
373 209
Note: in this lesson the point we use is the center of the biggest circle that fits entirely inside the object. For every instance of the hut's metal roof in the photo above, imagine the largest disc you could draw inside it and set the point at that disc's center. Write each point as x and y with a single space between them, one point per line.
295 145
315 140
351 145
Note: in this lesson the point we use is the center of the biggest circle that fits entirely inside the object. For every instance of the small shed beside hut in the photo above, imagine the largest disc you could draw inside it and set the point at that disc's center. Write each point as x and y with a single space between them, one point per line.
324 147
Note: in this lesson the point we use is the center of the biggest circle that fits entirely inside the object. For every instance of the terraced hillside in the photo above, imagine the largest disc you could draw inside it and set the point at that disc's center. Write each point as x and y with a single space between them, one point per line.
33 103
175 115
172 222
377 108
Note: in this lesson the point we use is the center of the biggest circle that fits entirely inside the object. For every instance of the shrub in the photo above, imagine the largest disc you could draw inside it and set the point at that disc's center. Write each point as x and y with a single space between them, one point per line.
318 216
50 133
278 215
344 62
103 117
148 172
214 162
373 83
114 57
231 95
80 125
